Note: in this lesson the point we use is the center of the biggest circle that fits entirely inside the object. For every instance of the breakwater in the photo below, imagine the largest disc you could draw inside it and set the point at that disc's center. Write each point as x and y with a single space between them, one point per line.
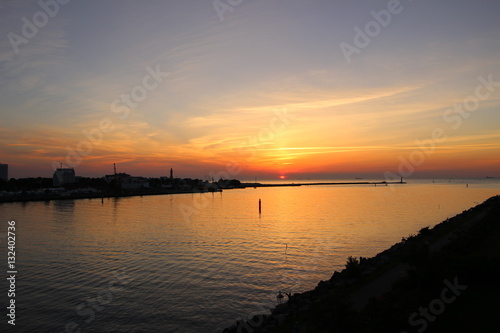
383 183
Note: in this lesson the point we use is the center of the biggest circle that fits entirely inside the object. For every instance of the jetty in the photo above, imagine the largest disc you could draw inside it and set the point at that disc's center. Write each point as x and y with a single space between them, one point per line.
382 183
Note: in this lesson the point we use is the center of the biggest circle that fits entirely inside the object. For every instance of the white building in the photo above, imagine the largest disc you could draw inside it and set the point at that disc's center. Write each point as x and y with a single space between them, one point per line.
63 176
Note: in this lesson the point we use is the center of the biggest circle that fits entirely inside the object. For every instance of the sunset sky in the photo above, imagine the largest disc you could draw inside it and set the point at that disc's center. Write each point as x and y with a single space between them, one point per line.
253 89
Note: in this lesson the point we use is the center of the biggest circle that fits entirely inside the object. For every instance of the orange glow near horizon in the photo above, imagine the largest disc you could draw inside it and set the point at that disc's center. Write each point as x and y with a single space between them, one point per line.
203 102
266 159
350 141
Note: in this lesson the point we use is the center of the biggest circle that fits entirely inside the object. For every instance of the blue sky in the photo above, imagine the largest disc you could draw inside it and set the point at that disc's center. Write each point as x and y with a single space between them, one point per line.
227 79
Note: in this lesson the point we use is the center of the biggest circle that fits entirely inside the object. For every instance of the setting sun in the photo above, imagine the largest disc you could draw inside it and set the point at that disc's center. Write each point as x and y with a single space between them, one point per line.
282 177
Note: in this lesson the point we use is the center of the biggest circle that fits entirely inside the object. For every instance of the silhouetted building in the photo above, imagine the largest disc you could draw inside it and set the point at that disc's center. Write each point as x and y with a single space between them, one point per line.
63 176
134 182
4 172
117 177
171 173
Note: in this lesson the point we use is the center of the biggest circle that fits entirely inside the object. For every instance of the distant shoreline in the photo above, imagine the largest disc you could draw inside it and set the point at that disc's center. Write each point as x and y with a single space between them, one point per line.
76 196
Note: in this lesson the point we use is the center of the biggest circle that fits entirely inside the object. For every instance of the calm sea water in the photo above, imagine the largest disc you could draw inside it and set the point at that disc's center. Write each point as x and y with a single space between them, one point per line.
198 262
